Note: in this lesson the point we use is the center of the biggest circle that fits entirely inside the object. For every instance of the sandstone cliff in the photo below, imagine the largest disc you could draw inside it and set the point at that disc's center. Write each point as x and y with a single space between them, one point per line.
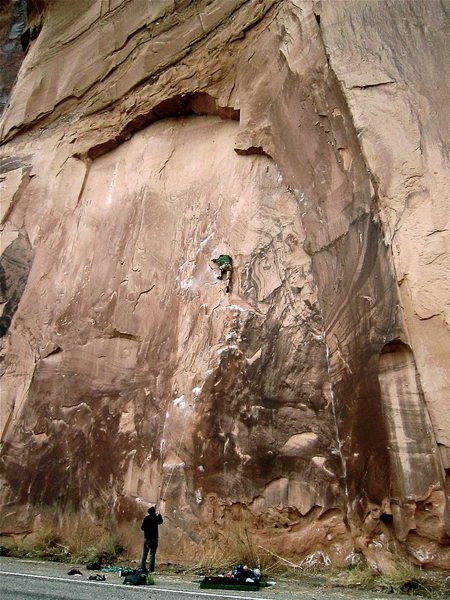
308 406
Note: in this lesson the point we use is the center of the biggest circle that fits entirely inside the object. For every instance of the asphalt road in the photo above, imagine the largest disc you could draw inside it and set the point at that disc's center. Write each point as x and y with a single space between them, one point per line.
15 587
23 579
41 580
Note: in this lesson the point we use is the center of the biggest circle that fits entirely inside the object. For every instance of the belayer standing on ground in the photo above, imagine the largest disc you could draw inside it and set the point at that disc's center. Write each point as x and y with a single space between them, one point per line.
150 528
224 262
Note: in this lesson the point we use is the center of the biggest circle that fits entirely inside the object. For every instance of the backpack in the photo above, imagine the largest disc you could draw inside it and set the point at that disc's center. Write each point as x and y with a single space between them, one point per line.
136 578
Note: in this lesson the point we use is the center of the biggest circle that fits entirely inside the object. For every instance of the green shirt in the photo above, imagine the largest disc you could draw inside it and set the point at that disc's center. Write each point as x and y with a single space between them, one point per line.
222 260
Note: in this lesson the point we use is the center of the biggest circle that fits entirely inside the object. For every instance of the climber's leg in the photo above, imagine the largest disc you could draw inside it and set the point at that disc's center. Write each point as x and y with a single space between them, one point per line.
227 290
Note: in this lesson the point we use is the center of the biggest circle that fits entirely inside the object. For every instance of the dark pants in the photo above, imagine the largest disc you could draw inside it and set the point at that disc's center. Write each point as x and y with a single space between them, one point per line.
150 545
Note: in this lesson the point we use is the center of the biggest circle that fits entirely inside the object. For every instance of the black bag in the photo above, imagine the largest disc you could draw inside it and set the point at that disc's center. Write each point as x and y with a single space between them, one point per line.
136 578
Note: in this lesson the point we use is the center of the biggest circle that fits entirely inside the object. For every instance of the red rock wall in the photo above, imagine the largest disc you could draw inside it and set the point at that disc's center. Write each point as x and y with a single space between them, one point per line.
308 405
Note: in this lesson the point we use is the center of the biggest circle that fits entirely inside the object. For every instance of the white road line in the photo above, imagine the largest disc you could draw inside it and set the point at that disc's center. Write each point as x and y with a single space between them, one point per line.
145 588
211 595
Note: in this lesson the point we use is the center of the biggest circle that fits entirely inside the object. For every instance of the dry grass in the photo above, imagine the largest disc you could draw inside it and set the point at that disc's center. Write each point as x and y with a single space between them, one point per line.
220 555
404 578
71 539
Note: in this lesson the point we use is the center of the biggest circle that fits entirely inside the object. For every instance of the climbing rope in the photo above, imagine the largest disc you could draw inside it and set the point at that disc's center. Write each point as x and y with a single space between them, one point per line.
163 495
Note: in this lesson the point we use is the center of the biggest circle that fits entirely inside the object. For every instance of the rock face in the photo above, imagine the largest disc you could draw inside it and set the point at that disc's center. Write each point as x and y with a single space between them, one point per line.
12 22
308 407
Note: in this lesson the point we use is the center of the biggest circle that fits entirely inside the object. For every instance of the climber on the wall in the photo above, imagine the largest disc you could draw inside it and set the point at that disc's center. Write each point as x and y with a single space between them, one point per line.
224 262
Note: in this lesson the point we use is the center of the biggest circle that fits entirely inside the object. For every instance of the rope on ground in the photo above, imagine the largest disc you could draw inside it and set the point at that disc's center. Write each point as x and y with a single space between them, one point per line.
295 566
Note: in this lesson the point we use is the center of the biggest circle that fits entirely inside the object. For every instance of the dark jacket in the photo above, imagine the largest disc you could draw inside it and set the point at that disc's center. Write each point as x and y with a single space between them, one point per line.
150 526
